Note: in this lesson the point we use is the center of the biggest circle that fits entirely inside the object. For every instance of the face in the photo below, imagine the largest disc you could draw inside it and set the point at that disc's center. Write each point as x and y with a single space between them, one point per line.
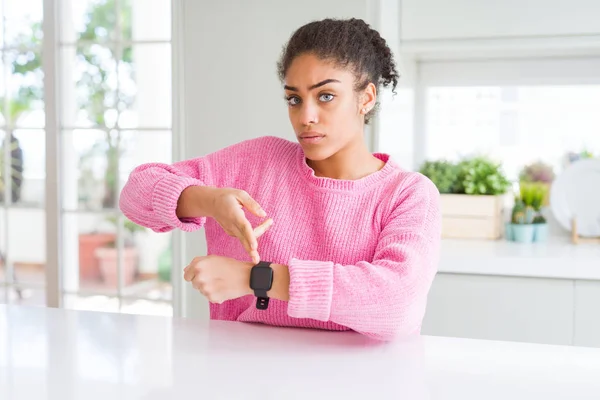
326 112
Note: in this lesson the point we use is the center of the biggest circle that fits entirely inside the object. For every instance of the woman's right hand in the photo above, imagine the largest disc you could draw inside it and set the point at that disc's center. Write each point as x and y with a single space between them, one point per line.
225 205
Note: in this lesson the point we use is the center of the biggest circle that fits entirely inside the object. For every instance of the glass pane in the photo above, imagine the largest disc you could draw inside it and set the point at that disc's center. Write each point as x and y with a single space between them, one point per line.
146 20
23 22
516 125
145 86
88 20
29 158
153 248
3 247
26 296
11 161
140 147
89 92
11 164
91 303
146 307
89 169
2 27
147 263
24 105
89 253
27 246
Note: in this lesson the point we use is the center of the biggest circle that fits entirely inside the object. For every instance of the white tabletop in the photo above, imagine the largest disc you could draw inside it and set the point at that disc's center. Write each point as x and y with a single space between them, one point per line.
60 354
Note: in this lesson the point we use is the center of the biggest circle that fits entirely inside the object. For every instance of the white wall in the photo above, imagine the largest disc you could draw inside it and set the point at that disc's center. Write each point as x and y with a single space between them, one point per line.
231 89
458 19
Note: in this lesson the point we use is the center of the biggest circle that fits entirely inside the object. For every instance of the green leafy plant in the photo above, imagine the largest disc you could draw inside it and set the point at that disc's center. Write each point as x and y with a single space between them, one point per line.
442 173
533 196
481 176
474 176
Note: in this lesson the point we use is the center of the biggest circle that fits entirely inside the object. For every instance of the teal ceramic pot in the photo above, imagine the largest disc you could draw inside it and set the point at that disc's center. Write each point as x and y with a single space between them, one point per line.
508 233
523 233
541 233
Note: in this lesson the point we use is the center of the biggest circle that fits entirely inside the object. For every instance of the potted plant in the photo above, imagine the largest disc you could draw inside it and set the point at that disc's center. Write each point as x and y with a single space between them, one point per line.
537 172
107 256
540 173
527 222
442 173
522 229
472 196
538 198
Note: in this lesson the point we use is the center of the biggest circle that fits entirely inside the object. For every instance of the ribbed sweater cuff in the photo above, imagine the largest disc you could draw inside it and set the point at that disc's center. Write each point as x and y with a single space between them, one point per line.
311 289
164 202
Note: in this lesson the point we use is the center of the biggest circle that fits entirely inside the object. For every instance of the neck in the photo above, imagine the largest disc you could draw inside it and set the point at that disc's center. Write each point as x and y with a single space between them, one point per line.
355 161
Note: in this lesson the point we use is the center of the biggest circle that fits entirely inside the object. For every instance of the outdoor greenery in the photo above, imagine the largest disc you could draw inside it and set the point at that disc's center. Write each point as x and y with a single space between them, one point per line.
104 69
106 73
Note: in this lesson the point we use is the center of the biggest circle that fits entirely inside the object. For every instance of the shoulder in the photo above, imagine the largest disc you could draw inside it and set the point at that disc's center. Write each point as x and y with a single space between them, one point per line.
412 186
414 199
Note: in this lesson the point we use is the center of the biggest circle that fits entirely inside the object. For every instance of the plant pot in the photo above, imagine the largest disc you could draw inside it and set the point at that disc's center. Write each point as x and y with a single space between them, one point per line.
107 258
89 266
471 217
523 233
508 232
540 233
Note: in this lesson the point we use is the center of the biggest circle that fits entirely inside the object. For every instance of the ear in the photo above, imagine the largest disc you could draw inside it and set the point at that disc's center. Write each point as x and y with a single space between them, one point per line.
368 99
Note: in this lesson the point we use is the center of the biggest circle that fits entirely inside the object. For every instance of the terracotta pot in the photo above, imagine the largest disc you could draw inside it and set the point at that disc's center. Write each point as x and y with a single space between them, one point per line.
107 258
89 266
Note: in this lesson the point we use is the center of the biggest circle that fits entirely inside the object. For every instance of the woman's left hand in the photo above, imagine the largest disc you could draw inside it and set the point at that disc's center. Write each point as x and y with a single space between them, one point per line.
219 278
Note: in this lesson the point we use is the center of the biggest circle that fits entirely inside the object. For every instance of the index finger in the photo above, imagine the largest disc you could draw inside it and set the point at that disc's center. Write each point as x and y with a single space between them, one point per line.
246 236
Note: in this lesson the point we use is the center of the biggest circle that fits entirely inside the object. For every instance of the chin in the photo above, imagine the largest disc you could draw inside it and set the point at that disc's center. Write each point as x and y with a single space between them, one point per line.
316 154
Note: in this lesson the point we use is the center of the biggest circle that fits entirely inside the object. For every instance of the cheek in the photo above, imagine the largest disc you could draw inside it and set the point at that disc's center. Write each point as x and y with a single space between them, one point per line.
344 113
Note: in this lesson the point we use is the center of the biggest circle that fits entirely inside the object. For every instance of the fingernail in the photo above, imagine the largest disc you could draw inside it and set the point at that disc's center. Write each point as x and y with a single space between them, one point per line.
262 213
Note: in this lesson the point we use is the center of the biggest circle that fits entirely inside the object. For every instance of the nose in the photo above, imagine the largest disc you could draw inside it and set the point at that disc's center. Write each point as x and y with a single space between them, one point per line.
309 114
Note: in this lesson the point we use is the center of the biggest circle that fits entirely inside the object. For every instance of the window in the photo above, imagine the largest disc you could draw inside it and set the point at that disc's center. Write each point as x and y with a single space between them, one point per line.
516 110
22 153
116 86
516 125
114 90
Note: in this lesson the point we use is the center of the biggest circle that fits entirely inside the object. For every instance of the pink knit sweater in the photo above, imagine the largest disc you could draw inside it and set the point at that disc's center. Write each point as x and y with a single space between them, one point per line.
361 254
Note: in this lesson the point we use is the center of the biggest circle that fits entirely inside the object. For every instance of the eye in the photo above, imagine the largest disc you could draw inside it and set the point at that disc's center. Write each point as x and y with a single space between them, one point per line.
326 97
292 100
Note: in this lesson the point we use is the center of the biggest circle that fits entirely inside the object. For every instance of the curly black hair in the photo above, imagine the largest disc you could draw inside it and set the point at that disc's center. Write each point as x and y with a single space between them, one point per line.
349 43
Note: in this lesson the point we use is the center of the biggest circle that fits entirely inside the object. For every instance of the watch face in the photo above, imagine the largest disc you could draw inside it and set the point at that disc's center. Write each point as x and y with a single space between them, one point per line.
261 278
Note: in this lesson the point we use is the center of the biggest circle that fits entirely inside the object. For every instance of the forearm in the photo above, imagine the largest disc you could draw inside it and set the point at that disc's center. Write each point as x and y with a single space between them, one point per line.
150 195
281 282
196 202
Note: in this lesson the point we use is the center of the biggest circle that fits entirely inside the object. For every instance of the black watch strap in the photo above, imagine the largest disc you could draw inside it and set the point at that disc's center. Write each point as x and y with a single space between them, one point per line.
262 300
261 292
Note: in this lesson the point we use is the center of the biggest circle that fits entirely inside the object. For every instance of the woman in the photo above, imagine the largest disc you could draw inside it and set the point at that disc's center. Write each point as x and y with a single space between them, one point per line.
348 240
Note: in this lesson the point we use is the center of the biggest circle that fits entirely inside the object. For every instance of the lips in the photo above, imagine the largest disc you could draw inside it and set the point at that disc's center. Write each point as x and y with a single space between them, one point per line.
311 135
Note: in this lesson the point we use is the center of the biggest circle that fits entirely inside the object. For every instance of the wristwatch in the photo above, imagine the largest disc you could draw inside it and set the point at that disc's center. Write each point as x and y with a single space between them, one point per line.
261 281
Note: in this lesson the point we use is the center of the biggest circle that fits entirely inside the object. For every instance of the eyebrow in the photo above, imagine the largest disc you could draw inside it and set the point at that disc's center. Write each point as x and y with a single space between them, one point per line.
316 85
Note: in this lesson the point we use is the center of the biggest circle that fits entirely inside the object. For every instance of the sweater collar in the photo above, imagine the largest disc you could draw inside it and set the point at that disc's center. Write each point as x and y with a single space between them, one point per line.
346 185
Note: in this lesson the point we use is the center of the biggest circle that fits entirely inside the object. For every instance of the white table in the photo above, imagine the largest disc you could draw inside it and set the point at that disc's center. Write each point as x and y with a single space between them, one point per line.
60 354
